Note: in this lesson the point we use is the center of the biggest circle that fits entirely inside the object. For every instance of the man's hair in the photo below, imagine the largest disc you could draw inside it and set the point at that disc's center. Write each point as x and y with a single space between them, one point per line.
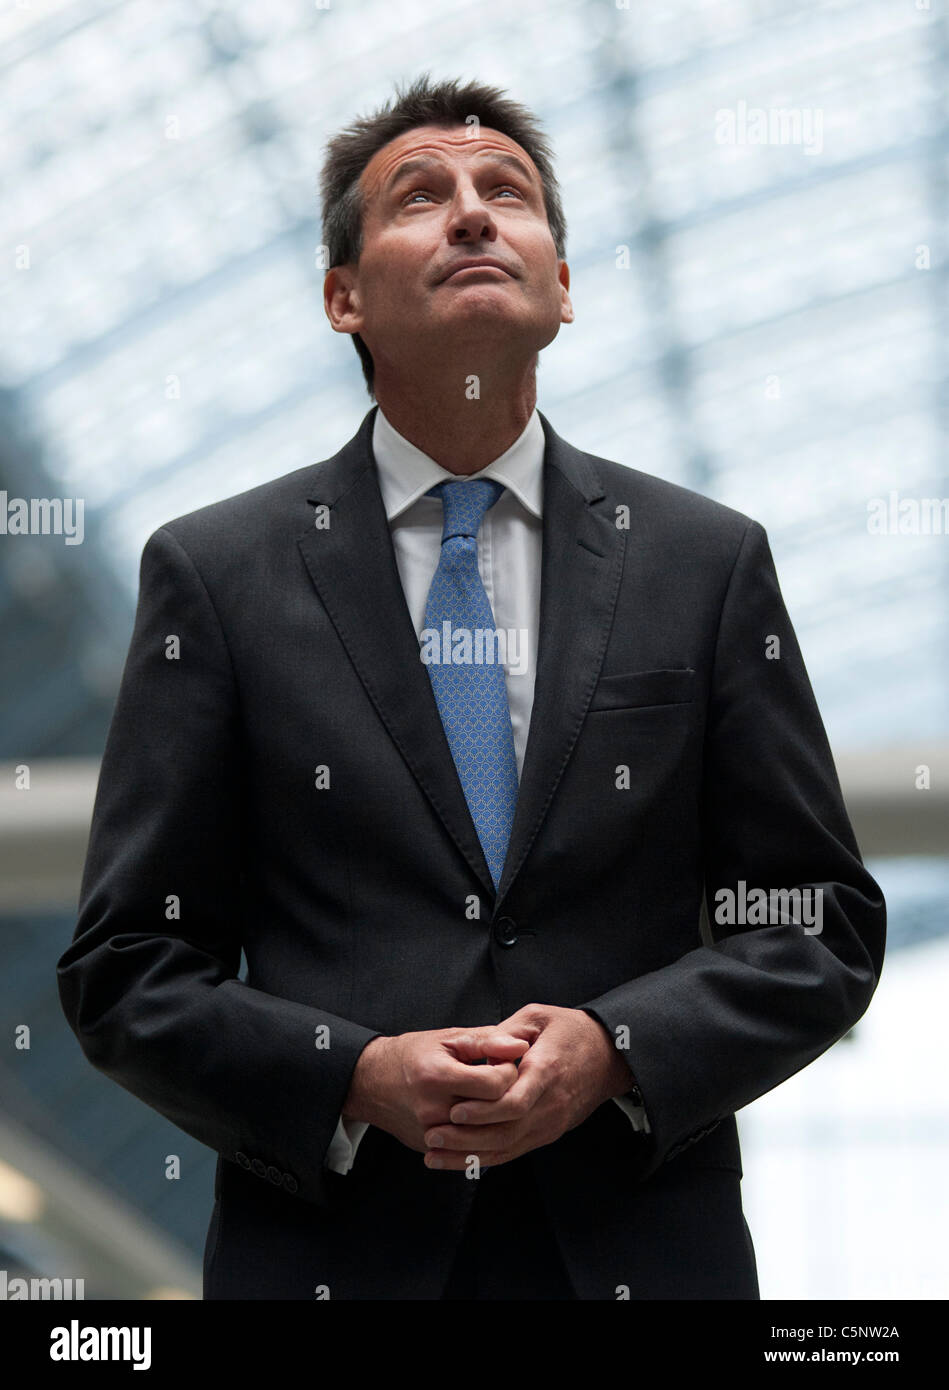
444 104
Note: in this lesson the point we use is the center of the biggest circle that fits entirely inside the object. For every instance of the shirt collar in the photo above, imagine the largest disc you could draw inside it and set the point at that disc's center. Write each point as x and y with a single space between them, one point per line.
405 473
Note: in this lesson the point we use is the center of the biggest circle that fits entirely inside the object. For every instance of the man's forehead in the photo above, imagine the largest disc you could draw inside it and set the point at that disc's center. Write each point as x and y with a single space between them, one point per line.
442 143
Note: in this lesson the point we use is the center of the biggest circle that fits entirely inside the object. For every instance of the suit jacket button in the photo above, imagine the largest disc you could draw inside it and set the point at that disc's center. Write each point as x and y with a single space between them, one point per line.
242 1159
274 1175
289 1182
505 931
259 1167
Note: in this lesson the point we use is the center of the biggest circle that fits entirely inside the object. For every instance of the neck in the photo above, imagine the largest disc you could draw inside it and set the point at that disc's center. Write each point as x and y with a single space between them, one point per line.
436 415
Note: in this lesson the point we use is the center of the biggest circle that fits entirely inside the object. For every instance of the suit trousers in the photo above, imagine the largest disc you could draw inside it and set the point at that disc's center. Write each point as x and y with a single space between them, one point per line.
508 1250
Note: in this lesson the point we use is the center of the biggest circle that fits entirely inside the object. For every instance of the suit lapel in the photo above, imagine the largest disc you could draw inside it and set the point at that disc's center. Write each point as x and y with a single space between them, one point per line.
581 565
353 568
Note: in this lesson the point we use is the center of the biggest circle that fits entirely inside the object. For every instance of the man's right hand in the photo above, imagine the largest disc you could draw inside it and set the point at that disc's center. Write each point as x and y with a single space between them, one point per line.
408 1083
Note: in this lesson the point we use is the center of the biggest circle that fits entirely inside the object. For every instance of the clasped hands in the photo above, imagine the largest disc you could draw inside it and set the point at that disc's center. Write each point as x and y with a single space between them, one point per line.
548 1068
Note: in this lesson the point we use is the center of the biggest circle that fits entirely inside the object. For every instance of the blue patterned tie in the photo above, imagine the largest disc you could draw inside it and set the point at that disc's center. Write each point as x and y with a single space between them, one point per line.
472 696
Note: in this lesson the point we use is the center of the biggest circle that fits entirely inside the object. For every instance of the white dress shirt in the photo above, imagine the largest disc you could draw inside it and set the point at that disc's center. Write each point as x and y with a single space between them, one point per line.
509 556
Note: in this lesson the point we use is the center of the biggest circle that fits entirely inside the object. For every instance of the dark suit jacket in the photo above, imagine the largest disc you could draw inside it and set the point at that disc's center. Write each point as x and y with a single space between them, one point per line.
210 834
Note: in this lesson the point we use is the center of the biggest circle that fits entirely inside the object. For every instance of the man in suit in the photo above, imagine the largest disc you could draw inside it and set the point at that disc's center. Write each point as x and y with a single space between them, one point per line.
504 990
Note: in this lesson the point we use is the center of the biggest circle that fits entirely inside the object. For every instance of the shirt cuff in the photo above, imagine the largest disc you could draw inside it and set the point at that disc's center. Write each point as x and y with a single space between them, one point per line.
636 1114
343 1145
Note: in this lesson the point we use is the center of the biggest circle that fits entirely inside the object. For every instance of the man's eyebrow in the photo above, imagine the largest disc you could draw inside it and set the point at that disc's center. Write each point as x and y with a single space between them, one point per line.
511 161
419 165
423 164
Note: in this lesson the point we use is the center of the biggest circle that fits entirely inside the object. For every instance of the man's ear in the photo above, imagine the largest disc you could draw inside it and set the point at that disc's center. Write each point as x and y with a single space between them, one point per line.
566 308
341 299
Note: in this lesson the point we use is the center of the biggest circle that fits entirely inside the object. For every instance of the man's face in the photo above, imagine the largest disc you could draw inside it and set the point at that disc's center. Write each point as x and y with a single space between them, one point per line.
437 199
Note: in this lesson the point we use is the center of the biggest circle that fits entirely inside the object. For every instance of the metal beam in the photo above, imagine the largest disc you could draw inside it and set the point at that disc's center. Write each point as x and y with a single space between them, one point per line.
44 828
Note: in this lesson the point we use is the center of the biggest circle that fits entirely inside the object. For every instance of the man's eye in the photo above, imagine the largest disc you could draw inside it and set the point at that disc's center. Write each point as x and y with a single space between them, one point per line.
423 193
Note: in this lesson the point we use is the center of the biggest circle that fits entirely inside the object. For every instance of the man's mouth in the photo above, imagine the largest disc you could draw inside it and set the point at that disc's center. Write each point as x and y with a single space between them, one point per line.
478 264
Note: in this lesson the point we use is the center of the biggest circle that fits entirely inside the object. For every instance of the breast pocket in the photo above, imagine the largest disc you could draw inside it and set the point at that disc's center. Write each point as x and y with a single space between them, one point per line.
639 689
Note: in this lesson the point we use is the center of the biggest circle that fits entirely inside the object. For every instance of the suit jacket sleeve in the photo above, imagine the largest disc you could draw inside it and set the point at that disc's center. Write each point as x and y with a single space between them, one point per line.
150 982
733 1018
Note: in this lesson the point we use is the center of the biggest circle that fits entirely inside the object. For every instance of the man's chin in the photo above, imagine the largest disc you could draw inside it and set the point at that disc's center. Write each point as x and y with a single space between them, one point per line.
488 318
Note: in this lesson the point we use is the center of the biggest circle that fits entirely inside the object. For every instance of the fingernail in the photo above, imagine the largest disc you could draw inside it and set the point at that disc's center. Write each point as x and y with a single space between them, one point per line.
459 1117
437 1141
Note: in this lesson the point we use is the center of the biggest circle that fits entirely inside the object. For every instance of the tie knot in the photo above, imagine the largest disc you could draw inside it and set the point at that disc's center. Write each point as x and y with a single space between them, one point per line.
465 504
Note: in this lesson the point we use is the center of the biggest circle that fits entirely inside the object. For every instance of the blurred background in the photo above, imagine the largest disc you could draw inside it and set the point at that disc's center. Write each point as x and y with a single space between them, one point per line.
757 198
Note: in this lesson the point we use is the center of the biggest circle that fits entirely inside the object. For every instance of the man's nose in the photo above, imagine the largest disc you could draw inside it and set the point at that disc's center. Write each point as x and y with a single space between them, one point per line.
470 219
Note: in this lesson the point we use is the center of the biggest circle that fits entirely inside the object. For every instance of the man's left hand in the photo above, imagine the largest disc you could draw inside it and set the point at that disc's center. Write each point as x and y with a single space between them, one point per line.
571 1068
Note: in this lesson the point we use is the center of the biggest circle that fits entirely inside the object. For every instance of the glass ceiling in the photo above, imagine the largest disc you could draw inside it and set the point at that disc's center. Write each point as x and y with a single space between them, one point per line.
763 322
